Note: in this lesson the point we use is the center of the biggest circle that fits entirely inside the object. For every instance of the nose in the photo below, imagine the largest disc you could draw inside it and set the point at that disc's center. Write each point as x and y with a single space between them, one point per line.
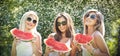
31 21
61 25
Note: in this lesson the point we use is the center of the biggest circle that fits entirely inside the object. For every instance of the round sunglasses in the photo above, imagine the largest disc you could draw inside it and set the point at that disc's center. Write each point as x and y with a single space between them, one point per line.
30 19
63 23
92 16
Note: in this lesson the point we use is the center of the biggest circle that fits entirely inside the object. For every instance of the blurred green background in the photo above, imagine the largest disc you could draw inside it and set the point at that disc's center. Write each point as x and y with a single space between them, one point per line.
11 12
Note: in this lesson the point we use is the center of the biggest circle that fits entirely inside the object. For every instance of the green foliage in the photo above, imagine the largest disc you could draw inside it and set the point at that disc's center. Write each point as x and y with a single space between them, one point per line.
11 12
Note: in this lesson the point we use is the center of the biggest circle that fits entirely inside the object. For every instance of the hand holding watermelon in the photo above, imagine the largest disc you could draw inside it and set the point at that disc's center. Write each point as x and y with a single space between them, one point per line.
26 36
89 47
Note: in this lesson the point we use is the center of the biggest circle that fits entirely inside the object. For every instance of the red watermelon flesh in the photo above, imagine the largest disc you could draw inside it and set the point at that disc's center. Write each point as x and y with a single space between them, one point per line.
22 35
55 45
49 42
83 39
60 47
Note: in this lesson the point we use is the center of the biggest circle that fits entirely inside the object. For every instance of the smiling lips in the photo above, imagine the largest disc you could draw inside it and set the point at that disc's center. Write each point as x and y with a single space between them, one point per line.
62 29
87 21
30 24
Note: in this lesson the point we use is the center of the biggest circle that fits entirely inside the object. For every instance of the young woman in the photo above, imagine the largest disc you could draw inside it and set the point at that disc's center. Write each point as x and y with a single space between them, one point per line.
93 22
28 23
63 32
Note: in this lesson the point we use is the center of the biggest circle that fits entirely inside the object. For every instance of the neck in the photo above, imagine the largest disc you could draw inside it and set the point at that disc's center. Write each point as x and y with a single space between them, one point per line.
90 30
63 35
27 30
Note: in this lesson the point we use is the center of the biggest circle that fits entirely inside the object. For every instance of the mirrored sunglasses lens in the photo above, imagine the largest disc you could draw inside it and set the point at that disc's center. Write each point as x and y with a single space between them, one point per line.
92 16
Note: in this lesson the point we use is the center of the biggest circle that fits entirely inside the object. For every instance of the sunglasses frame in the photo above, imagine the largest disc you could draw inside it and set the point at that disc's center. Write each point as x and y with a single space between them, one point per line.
92 16
63 23
30 19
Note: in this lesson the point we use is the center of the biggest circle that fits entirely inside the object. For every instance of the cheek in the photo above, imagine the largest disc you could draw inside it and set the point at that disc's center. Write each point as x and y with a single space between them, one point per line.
26 22
65 27
95 22
84 20
59 28
34 24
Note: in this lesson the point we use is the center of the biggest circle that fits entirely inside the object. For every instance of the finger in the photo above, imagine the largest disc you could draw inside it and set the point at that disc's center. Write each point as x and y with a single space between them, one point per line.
51 50
88 44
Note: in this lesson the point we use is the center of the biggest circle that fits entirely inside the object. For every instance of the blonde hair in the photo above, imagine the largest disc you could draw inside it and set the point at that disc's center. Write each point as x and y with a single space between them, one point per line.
22 27
99 26
23 19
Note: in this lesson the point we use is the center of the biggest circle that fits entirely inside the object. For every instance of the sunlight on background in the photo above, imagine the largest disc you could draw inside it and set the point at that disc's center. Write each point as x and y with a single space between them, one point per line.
11 12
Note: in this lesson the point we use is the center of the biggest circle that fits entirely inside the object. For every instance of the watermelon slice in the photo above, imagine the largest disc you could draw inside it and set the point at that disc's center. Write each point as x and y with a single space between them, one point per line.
21 35
55 45
49 42
82 39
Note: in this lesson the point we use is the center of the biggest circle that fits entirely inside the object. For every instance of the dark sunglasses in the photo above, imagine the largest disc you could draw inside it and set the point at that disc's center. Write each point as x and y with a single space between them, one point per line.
63 23
91 16
30 19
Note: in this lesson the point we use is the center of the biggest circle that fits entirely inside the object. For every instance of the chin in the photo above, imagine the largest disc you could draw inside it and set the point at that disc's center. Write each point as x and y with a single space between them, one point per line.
62 31
29 28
